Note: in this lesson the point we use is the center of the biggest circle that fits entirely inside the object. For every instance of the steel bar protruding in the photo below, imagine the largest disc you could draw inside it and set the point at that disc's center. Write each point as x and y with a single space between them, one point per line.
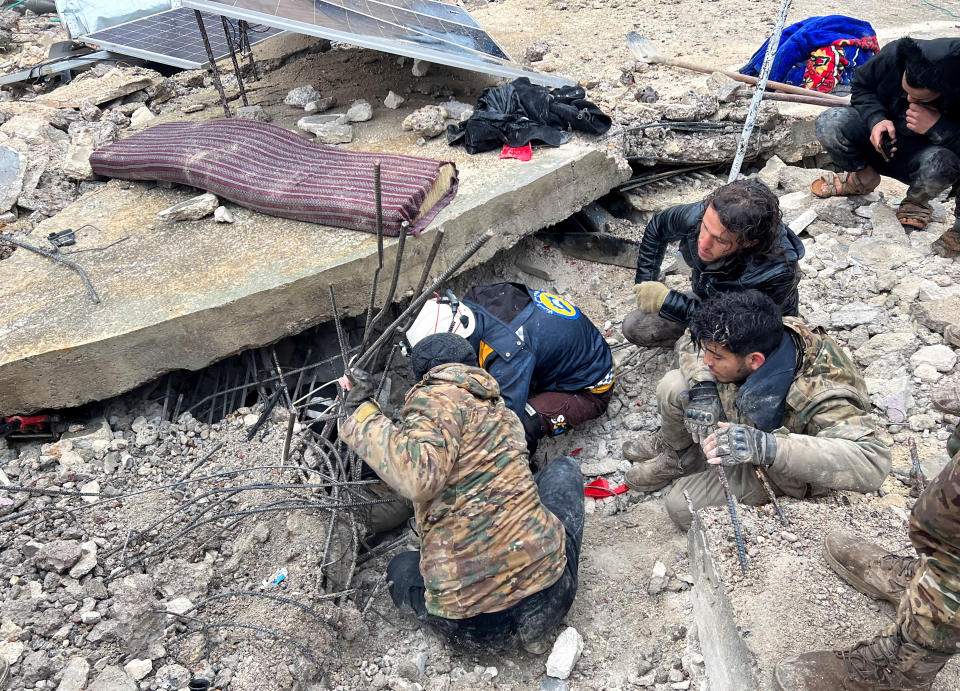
762 474
388 300
341 340
244 29
917 473
732 505
365 357
693 511
213 63
428 264
233 57
378 201
66 262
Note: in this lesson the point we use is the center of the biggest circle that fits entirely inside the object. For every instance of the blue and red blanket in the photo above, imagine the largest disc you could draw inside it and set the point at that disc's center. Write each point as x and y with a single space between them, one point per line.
819 53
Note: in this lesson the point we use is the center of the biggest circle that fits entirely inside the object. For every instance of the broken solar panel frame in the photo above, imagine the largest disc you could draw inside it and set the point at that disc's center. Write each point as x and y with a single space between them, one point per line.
170 38
422 29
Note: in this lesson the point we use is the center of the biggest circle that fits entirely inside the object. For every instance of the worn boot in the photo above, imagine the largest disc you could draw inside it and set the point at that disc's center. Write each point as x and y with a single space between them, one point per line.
869 568
645 446
946 398
886 662
948 244
662 469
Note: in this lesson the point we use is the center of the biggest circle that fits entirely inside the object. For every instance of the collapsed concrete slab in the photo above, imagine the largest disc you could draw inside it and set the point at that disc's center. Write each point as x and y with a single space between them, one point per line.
183 295
789 601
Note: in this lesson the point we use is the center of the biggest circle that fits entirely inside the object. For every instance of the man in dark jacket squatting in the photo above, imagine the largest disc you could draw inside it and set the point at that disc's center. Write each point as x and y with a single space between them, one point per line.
733 240
499 548
553 366
903 122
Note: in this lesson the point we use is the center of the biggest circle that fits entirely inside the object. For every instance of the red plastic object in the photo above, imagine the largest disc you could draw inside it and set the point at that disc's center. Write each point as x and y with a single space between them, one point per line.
30 422
521 153
600 488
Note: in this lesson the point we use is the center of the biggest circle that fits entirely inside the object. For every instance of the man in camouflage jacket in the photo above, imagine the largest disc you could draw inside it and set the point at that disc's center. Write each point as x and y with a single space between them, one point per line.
758 394
909 653
499 549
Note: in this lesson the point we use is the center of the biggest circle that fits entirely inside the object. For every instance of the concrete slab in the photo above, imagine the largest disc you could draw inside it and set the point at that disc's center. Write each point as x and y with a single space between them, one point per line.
183 295
790 601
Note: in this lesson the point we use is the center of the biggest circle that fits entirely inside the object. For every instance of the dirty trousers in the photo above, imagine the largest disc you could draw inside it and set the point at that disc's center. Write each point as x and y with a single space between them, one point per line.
700 480
929 613
650 330
557 412
560 486
927 169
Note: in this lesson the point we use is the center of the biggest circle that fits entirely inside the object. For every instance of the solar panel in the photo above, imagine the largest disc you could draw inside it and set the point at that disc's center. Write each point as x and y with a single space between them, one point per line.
171 38
425 29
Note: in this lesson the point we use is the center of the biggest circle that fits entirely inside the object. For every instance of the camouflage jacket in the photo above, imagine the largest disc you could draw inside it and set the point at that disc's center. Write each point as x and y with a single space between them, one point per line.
460 455
827 438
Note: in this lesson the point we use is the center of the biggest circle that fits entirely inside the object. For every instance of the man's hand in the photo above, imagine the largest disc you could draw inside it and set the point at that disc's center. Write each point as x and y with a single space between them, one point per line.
876 135
920 118
650 296
702 410
359 386
736 444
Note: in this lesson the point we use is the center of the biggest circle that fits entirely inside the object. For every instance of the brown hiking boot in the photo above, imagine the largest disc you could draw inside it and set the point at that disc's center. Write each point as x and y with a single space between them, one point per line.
652 474
888 661
946 398
948 244
869 568
645 446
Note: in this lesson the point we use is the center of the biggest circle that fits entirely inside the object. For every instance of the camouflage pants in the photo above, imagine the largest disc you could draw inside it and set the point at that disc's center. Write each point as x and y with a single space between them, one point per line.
929 613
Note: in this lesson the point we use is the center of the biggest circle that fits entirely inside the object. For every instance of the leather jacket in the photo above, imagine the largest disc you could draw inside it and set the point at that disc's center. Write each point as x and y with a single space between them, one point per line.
775 276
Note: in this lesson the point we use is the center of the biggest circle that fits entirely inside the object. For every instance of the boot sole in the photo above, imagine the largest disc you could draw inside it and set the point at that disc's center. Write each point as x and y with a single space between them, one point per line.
857 583
647 488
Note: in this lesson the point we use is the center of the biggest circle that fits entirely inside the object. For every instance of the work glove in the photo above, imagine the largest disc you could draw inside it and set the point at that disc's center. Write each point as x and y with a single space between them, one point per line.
736 444
702 410
650 296
361 388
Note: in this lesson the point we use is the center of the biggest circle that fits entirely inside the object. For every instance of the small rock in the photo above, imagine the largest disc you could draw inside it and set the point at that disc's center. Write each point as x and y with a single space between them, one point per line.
90 618
223 215
359 111
320 105
253 113
190 210
74 675
138 669
940 357
426 122
301 96
91 488
456 110
658 579
565 654
392 101
250 420
193 107
112 679
551 684
856 313
536 51
141 117
420 68
87 561
58 555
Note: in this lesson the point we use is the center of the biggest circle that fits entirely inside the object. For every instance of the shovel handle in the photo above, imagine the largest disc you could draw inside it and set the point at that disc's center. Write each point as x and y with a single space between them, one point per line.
779 86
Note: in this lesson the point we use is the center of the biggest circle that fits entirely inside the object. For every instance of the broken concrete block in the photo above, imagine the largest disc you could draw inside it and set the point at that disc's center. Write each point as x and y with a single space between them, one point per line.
141 117
161 92
88 551
75 675
33 129
301 96
658 579
76 164
799 224
565 654
334 133
770 175
856 313
138 669
315 123
113 679
940 357
426 122
359 111
455 110
191 210
13 169
95 89
58 555
89 112
253 113
536 51
936 315
392 101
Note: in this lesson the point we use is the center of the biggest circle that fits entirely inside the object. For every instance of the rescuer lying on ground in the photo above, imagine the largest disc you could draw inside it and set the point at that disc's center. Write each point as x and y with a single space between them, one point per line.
499 547
795 407
904 122
553 366
734 240
909 653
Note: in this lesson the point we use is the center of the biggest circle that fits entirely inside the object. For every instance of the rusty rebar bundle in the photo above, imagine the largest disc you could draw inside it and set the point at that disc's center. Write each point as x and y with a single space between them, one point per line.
919 480
732 506
762 474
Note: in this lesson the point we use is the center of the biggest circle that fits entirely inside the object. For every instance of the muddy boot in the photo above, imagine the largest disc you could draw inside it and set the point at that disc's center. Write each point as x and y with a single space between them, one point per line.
888 661
948 244
662 469
946 398
644 447
869 568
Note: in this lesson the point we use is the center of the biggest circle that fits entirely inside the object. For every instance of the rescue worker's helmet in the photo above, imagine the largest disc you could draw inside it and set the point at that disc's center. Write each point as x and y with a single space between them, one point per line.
436 317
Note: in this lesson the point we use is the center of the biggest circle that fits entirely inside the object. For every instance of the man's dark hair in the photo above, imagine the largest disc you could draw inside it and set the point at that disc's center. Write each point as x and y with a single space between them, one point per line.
922 73
747 322
440 349
748 209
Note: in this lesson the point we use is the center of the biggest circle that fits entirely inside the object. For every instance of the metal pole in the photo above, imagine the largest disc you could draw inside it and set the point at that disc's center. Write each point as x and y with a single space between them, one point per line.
732 506
213 63
246 47
233 57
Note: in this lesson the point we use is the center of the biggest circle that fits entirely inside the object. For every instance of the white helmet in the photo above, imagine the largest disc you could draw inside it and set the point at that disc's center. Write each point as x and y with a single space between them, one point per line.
436 317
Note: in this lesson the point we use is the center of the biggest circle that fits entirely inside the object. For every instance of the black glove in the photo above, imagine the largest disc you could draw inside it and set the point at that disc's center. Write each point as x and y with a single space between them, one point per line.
702 410
362 388
738 444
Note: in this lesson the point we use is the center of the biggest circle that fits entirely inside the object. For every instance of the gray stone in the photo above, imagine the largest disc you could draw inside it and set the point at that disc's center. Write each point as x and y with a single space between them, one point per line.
90 618
837 210
191 210
334 134
800 223
605 466
420 68
87 561
113 679
223 215
13 168
142 117
320 105
138 669
770 174
940 357
898 342
172 677
180 578
937 314
359 111
536 51
551 684
426 122
922 422
886 227
856 313
301 96
566 652
75 675
393 101
314 123
148 434
658 579
253 113
133 623
58 555
456 110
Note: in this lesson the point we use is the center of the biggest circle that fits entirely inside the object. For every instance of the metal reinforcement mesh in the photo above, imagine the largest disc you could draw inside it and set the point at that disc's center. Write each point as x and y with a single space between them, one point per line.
277 172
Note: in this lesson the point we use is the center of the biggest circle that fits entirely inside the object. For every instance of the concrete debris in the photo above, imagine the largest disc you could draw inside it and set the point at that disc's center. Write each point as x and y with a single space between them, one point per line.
536 51
13 169
940 357
333 133
393 101
426 122
95 89
142 117
138 669
255 112
320 105
301 96
359 111
58 555
456 110
658 579
420 68
223 215
112 679
565 654
190 210
75 675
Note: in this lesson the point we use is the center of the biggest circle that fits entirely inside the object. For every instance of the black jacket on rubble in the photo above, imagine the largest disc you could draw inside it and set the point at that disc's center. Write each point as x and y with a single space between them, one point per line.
877 91
775 276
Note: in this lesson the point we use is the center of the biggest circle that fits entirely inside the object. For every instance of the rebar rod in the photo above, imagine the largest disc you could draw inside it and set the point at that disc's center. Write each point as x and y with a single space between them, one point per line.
365 357
211 58
244 27
920 482
388 300
261 629
762 474
203 459
66 262
267 409
732 506
428 263
233 57
378 202
341 339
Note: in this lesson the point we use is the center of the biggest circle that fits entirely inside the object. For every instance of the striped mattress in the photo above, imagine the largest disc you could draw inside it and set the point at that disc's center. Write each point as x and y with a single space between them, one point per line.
277 172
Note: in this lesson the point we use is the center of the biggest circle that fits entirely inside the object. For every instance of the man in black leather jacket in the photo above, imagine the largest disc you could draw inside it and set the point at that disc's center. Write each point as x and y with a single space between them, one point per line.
733 241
